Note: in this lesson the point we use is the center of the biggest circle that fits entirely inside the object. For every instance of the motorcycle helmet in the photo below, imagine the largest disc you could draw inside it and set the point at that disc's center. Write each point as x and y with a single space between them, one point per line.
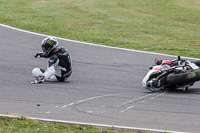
48 45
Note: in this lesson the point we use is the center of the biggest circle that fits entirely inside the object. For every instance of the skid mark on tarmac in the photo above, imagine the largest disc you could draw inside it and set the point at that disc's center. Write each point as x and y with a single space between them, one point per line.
139 98
84 100
132 102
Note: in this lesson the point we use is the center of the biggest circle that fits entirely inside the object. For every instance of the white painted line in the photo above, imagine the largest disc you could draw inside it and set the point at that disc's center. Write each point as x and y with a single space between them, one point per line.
127 109
90 98
152 98
162 93
94 124
142 101
92 44
17 29
67 105
47 112
135 99
89 112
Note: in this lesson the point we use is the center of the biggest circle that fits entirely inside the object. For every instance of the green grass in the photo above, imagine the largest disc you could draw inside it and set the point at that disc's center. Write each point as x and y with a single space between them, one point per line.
22 125
163 26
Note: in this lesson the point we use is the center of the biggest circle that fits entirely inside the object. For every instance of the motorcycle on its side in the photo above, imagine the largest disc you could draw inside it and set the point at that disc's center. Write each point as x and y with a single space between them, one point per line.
172 74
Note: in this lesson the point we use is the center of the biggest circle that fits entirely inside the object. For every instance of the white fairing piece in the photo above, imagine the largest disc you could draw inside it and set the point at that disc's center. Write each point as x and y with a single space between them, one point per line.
193 66
146 78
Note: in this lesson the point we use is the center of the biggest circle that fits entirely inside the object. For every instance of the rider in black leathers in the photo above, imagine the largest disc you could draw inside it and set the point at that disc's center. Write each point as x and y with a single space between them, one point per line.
59 65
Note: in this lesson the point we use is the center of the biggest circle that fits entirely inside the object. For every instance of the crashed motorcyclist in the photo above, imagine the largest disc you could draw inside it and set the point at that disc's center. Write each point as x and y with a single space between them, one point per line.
59 65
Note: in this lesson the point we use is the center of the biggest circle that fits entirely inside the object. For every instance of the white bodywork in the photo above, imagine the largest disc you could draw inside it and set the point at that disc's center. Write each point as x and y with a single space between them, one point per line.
146 78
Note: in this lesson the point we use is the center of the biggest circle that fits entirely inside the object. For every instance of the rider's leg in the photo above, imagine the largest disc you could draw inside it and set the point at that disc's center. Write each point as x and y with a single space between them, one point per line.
49 74
37 72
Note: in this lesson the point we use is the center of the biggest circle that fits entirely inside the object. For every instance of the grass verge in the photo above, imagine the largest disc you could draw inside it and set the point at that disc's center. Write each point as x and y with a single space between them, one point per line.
23 125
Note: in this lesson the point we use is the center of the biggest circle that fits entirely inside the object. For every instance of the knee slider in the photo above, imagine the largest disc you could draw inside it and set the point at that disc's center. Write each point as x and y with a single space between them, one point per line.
36 72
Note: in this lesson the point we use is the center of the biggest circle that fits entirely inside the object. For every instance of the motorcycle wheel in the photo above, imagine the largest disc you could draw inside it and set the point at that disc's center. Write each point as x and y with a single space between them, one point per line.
197 62
154 89
187 77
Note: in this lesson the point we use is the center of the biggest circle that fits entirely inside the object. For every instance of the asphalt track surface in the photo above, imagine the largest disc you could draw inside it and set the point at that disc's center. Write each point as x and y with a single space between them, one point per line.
105 87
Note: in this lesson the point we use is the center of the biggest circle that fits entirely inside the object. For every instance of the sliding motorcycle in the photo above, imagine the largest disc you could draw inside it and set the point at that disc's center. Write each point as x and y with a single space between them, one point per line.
172 74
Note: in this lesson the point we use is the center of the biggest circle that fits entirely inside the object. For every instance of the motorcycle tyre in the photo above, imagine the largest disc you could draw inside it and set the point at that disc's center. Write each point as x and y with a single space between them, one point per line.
154 89
183 78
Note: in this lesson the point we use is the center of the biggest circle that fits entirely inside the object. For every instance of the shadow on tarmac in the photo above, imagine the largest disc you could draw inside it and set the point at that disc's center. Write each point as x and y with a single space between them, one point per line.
189 91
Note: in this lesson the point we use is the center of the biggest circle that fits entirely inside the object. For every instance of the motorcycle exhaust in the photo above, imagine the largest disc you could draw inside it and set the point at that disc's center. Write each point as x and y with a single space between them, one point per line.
150 84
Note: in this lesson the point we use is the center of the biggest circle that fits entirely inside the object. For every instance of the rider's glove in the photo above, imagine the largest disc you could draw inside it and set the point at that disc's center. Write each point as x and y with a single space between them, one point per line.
40 54
40 79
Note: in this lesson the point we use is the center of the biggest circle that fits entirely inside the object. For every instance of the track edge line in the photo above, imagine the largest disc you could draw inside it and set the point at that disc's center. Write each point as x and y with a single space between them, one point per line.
92 44
92 124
